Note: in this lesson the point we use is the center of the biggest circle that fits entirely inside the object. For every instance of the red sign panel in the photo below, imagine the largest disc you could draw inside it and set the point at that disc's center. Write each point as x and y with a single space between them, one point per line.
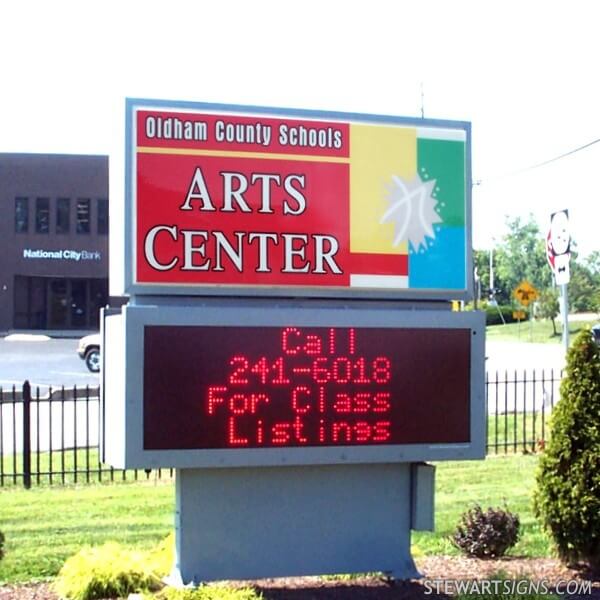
274 387
240 212
265 235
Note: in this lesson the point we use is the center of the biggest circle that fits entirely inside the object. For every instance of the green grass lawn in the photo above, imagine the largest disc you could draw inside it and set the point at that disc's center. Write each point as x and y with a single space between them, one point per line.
494 482
507 433
45 525
535 331
517 432
71 466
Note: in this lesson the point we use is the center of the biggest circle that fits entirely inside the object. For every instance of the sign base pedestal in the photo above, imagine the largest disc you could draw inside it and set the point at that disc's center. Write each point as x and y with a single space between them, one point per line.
253 523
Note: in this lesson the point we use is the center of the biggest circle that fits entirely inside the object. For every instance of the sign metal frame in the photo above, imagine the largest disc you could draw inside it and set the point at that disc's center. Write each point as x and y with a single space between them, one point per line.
134 287
124 394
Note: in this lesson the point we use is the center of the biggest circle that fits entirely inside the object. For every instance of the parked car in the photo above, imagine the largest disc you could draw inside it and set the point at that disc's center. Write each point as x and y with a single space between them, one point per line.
89 351
596 333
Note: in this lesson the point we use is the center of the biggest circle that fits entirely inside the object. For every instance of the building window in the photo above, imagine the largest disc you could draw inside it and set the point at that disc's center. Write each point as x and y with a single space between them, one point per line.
102 216
21 215
83 215
63 215
42 215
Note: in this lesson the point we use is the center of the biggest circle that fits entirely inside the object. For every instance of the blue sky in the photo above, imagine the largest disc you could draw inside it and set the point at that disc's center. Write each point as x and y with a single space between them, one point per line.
523 73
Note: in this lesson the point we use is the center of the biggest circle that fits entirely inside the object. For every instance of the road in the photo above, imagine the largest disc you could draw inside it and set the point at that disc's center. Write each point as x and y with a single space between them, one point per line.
47 363
512 356
43 362
54 362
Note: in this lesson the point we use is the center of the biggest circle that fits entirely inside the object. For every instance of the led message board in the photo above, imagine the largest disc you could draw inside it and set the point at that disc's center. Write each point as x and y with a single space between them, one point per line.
258 201
293 386
239 387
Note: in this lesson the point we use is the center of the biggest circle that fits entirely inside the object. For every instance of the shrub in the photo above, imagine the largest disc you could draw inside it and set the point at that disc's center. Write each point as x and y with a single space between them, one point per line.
486 534
492 314
207 592
108 571
160 560
111 571
567 496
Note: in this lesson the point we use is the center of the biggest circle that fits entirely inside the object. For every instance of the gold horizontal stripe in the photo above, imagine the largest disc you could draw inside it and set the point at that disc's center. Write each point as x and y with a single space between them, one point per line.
234 154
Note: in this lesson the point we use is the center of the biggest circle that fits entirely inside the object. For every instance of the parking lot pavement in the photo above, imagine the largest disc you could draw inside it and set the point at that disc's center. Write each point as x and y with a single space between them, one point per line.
54 361
521 355
44 362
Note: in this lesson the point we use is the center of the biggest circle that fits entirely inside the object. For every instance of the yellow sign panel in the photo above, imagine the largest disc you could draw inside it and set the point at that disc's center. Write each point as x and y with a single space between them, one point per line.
378 153
519 315
525 293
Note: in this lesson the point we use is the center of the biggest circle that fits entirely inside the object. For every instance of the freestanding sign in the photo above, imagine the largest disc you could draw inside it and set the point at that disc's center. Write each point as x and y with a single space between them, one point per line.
232 200
299 432
558 246
268 356
525 293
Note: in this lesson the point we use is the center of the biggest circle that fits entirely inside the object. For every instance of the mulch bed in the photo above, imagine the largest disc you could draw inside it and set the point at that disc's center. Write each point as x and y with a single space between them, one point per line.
376 588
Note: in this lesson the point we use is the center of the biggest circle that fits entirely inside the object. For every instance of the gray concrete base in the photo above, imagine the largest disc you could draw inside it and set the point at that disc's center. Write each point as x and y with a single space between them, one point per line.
273 522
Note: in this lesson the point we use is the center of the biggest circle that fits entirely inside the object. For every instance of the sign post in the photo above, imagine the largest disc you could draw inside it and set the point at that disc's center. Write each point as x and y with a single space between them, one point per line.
558 253
288 344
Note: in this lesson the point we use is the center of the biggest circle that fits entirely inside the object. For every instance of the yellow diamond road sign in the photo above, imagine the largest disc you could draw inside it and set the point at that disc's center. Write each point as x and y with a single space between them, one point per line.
525 293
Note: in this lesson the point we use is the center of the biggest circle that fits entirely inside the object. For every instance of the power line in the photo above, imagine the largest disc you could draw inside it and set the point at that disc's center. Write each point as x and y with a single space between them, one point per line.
538 165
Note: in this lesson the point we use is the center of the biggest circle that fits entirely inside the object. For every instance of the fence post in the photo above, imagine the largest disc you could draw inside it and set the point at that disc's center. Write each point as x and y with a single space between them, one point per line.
26 435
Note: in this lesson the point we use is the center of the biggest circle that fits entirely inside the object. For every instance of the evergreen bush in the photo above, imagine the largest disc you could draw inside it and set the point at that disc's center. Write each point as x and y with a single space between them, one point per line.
567 496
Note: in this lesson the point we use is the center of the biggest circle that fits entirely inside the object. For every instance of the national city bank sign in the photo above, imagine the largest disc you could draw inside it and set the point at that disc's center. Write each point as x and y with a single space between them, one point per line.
75 255
288 202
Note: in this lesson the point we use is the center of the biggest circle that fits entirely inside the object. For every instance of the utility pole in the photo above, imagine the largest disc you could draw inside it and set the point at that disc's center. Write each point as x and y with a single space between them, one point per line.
492 295
492 271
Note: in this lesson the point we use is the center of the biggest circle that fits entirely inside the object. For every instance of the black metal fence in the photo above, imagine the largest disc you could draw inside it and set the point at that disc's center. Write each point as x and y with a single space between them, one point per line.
519 405
51 436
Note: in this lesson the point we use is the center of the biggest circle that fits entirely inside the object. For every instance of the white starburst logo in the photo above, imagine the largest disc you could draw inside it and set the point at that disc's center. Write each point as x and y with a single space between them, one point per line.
412 210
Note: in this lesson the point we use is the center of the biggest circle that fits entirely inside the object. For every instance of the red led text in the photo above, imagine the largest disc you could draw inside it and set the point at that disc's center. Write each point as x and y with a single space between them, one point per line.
317 390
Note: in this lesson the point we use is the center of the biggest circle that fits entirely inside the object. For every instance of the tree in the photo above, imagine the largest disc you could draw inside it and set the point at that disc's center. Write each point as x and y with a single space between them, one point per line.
548 306
521 256
581 288
584 287
567 497
592 262
481 262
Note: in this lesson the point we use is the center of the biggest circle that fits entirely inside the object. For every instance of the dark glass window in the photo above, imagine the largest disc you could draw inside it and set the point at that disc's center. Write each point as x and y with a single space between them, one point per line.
21 215
83 215
42 215
63 215
102 216
30 302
